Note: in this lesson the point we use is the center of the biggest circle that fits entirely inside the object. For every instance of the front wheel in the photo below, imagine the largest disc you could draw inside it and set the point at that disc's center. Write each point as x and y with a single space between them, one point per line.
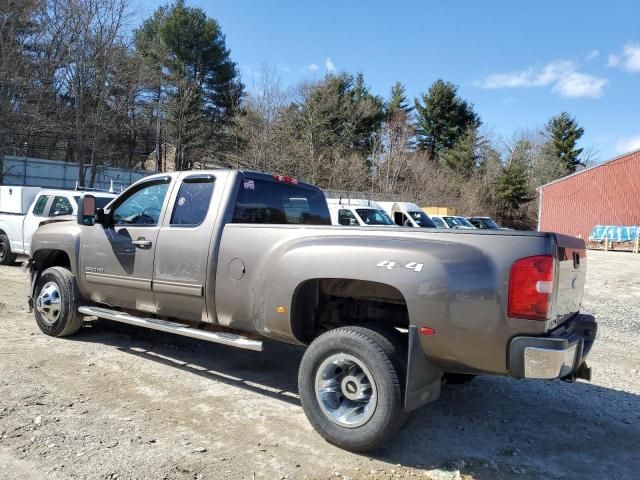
350 385
56 303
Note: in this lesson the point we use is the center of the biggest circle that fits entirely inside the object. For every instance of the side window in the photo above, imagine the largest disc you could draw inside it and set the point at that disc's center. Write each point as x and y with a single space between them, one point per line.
38 209
192 202
345 217
438 221
60 206
143 206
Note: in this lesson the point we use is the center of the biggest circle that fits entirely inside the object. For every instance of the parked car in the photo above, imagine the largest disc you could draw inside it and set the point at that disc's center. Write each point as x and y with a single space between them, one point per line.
24 209
365 213
234 257
407 214
485 223
451 221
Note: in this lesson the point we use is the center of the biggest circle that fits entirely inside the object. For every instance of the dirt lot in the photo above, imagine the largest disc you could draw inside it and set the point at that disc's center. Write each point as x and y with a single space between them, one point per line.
119 402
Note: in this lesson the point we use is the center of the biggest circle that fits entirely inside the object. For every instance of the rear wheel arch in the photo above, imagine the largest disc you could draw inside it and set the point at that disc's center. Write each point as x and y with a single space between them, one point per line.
321 304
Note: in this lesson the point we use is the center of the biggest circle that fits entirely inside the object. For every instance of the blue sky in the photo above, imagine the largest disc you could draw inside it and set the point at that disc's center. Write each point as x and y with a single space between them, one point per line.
518 65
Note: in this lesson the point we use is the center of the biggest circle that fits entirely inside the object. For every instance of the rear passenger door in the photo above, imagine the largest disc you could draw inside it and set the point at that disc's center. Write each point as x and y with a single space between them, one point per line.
185 248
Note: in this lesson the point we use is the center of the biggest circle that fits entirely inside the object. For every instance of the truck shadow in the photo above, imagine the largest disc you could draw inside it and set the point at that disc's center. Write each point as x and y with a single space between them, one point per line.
490 428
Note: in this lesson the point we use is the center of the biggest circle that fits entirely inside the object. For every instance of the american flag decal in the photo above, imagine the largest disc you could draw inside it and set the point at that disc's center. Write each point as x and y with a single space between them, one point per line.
249 185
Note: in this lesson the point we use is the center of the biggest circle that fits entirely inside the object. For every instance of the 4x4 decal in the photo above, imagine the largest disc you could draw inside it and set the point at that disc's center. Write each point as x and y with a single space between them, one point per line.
390 265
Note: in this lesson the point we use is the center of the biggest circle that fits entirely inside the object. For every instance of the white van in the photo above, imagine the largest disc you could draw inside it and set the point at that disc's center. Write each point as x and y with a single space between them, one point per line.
366 213
407 214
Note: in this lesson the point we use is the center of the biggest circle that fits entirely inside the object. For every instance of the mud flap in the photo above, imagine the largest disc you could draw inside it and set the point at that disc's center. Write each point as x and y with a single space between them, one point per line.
423 379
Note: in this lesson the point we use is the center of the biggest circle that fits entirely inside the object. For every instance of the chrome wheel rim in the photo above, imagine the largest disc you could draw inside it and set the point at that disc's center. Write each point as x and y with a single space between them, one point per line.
3 249
48 303
346 391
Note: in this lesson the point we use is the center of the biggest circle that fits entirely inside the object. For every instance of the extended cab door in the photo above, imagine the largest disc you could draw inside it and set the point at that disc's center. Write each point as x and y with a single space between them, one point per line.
117 261
185 255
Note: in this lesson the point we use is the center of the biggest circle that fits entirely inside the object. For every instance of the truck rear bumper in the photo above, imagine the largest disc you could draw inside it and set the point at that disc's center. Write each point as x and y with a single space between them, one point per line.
560 354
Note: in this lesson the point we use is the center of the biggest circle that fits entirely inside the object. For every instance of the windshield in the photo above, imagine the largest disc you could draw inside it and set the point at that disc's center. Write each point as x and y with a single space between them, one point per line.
374 217
457 222
422 220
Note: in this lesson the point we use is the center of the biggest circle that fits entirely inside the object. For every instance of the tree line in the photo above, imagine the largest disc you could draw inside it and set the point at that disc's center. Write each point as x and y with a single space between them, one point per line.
79 82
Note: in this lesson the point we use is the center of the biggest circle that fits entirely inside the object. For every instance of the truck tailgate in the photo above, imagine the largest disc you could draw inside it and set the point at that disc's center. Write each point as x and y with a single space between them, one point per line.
570 275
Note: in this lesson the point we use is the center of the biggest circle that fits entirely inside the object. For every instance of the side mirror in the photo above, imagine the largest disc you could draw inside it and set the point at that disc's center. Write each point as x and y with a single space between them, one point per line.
353 222
87 210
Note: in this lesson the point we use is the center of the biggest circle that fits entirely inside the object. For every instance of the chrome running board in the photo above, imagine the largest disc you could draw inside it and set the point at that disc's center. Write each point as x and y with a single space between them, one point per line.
225 338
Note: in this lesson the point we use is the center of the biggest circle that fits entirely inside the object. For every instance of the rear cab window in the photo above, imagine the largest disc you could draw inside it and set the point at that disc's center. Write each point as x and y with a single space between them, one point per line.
273 202
38 209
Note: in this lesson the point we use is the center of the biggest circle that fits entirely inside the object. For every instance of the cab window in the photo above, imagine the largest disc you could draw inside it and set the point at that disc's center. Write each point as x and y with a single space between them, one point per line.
60 206
38 208
143 206
192 203
346 217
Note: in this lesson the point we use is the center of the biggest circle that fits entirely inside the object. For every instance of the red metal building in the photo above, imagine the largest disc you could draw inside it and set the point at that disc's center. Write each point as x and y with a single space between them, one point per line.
606 194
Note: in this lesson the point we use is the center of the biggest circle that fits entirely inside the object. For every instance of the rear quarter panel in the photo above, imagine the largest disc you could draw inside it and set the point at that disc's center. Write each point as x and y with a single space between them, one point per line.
460 291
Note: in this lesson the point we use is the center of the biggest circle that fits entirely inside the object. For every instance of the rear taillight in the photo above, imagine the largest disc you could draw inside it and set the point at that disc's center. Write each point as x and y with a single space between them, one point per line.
530 285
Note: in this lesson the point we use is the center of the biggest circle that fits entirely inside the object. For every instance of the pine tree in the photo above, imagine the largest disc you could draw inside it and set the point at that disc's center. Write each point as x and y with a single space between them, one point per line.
564 134
443 118
398 101
512 185
202 84
462 158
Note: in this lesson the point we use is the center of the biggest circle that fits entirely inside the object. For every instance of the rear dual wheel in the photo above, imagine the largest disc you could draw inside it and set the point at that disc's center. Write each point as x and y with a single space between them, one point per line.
351 386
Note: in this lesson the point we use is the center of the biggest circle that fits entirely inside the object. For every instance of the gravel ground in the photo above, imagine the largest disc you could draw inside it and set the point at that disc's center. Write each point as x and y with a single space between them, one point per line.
119 402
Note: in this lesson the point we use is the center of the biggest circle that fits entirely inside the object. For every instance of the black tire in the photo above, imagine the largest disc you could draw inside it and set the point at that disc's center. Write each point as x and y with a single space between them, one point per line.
375 349
67 321
458 378
7 257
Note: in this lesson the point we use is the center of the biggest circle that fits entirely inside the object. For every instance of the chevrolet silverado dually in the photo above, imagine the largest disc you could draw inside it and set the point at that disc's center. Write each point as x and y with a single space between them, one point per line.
387 314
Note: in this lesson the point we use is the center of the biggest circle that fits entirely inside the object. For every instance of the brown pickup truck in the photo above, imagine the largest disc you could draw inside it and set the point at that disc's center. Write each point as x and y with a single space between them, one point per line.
387 314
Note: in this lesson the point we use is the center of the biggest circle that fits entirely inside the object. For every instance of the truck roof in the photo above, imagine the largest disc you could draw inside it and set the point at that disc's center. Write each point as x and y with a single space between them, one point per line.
252 173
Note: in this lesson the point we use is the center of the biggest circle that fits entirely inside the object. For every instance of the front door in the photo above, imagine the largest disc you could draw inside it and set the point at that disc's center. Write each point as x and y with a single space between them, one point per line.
117 261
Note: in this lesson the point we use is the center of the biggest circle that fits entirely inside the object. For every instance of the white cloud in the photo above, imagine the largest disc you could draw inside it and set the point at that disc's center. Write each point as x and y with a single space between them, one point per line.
593 54
628 60
329 64
579 85
628 144
561 75
312 67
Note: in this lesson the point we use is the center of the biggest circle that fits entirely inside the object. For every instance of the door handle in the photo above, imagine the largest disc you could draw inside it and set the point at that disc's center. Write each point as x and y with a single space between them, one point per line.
142 243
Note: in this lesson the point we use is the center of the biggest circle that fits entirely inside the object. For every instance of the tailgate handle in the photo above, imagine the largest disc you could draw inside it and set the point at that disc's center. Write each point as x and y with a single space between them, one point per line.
576 259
